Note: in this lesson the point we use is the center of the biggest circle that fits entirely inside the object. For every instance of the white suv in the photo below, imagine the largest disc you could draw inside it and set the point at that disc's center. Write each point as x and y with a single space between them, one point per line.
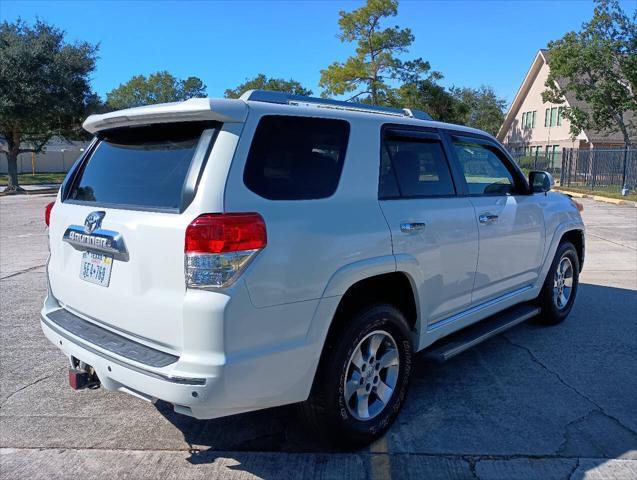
233 255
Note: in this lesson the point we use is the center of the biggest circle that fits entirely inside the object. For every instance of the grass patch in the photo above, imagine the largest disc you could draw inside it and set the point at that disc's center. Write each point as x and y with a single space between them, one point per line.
610 192
37 179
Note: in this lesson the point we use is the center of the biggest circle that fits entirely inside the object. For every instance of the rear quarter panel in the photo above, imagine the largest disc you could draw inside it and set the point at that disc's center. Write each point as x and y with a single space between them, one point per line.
310 240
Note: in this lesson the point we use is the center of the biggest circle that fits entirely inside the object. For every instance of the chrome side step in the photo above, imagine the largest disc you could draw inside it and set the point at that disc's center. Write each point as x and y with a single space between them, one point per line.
466 338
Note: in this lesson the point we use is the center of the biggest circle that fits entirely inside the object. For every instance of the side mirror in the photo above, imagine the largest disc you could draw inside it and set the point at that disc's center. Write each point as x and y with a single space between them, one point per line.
540 181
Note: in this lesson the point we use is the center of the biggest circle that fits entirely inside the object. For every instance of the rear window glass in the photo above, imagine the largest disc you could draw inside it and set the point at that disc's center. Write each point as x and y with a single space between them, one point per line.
139 167
295 158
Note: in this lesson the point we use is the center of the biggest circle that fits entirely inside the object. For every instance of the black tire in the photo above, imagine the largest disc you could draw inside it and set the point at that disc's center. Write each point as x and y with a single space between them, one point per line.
326 411
554 310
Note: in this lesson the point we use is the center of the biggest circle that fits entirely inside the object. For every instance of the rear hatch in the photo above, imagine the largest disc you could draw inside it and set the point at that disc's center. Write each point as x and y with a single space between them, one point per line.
127 205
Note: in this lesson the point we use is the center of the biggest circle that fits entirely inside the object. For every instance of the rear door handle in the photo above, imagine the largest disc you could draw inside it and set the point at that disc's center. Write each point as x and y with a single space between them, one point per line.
487 218
410 227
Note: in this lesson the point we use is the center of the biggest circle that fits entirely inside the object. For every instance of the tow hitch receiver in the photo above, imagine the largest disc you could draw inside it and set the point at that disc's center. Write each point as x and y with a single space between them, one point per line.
82 376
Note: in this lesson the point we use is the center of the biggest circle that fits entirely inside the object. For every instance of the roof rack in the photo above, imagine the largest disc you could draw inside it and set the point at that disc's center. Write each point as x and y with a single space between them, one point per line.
283 98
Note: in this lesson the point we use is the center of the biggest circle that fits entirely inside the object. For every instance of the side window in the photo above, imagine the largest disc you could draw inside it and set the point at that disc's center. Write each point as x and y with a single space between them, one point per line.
414 167
484 170
296 158
387 185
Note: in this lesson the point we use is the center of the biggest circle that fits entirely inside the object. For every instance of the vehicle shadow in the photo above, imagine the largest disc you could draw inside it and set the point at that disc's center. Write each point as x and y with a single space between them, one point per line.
563 391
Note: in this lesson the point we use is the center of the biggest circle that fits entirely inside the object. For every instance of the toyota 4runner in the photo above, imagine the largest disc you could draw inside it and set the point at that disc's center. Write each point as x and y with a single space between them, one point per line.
231 255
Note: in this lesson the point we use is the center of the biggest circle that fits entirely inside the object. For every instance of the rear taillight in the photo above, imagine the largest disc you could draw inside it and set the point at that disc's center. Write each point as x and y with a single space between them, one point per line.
219 247
47 213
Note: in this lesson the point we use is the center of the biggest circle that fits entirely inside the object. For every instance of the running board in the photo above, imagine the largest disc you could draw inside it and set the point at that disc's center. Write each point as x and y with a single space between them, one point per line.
468 337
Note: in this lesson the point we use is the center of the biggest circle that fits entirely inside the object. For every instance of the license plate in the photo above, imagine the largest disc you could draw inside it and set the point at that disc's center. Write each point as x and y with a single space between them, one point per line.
96 268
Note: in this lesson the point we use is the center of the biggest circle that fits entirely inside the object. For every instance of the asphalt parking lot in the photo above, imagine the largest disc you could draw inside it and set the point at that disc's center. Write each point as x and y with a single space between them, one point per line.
534 402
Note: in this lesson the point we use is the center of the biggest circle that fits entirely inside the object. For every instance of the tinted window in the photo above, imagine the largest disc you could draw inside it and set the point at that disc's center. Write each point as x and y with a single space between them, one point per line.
483 169
294 158
387 185
418 165
144 167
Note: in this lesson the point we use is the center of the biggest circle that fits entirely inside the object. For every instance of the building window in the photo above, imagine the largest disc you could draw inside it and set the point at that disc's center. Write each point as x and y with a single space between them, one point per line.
559 115
552 152
547 116
553 116
528 119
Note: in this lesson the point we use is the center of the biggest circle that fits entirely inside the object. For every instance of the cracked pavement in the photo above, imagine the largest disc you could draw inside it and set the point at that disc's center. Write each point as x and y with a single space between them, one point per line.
545 403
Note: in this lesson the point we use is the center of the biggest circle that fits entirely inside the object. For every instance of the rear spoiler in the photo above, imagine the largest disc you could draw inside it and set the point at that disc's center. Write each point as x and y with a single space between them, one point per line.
194 109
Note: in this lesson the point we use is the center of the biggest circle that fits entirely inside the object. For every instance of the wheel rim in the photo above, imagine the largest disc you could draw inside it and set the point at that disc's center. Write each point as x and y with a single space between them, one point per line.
372 375
563 283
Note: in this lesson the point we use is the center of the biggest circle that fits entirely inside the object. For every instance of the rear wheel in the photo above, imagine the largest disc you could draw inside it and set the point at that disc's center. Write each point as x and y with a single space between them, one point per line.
560 287
363 378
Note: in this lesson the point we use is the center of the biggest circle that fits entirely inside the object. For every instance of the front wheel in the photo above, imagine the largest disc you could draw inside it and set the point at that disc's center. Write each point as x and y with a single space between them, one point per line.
362 379
560 287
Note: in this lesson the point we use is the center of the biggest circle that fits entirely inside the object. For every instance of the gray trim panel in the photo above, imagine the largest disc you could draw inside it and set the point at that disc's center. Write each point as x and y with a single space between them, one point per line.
477 308
110 341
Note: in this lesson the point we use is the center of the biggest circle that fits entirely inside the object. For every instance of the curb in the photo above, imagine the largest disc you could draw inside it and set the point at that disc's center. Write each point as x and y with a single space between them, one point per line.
32 192
599 198
573 194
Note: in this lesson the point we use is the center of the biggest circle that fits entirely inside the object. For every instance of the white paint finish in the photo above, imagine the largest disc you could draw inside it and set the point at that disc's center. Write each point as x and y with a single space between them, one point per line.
193 109
310 240
441 258
511 247
145 294
258 342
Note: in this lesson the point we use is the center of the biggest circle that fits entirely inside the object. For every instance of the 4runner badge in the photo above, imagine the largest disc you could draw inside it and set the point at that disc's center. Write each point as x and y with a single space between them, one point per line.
93 221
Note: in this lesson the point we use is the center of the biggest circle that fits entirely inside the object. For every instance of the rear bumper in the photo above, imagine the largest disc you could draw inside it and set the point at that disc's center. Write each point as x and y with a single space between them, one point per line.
195 396
199 382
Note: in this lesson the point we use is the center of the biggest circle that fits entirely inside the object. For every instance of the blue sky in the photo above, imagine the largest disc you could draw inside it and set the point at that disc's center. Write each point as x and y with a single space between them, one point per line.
223 43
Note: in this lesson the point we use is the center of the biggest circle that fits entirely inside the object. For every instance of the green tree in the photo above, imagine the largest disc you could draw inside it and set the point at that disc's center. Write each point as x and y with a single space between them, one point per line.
262 82
44 88
480 108
376 64
598 66
433 98
159 87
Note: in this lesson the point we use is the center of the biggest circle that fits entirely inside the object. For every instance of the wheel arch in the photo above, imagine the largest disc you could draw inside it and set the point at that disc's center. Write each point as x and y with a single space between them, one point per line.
576 237
572 231
393 287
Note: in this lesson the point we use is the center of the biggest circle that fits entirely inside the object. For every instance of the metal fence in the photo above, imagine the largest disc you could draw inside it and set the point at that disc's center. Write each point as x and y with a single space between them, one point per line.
549 162
602 170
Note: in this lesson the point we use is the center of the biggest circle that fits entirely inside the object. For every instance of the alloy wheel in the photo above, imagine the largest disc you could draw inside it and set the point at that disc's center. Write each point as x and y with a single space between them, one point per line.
563 283
372 375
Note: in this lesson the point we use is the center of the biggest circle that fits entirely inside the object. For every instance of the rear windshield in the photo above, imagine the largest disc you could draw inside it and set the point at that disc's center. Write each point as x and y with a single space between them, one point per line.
139 167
